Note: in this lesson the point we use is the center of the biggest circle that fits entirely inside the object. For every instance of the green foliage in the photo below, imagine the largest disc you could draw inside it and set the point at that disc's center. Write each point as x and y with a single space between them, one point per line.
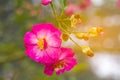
63 4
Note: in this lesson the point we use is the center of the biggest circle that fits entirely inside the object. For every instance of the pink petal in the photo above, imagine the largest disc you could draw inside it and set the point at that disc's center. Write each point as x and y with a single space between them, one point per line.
60 71
48 70
53 53
70 63
51 56
46 2
42 33
34 53
66 52
45 30
54 41
30 38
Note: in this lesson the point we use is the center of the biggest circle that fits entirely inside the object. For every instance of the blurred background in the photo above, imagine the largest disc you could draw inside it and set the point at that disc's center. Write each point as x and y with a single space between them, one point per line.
18 16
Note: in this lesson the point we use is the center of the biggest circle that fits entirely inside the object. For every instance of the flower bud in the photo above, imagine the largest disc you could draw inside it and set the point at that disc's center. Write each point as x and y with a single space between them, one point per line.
46 2
87 50
75 19
95 31
65 37
82 35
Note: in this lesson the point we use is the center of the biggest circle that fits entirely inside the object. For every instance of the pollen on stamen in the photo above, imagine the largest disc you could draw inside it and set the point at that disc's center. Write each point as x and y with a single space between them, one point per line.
42 43
59 66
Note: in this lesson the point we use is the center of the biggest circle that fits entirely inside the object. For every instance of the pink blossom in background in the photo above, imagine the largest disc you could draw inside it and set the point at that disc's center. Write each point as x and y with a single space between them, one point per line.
46 2
65 61
118 3
71 9
42 41
84 4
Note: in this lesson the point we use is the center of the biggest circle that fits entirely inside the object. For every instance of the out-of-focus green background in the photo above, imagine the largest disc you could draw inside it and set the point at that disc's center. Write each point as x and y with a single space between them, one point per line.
18 16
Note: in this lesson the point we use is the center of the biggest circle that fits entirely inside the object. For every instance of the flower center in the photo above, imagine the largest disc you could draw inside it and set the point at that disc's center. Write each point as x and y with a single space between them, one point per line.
42 43
59 65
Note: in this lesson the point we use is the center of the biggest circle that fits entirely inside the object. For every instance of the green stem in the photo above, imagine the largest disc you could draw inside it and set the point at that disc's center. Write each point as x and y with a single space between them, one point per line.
55 14
63 28
75 42
66 27
59 25
62 12
53 9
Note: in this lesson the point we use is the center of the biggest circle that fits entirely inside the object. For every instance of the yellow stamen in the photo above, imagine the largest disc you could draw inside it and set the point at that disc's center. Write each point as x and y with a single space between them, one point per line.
59 66
40 43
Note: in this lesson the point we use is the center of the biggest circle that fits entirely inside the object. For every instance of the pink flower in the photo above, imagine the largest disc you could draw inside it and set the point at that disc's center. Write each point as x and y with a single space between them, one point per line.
42 41
64 61
84 4
71 9
46 2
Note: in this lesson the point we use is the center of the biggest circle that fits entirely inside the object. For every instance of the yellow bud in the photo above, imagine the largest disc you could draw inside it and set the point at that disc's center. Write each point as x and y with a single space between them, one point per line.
75 19
93 32
82 35
77 16
65 37
100 31
96 31
73 22
90 53
85 37
87 50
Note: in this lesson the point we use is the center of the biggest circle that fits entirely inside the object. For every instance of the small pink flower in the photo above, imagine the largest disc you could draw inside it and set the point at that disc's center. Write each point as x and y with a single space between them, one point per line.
71 9
84 4
42 41
46 2
64 61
